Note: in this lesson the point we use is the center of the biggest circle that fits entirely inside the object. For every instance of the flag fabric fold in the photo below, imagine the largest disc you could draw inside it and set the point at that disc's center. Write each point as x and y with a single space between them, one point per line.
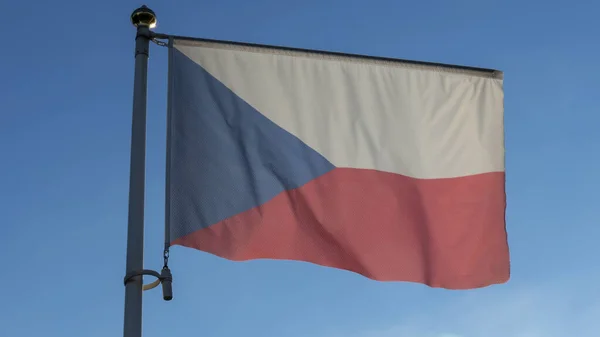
390 169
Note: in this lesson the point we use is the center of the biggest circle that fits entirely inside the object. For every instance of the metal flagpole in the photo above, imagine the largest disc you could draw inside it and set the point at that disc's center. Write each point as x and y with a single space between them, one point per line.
143 19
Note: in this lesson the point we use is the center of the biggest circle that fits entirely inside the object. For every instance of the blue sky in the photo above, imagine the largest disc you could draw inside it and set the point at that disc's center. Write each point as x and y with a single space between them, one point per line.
65 118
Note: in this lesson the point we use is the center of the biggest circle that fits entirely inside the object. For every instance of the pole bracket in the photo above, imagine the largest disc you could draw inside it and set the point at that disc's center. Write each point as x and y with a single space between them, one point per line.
164 277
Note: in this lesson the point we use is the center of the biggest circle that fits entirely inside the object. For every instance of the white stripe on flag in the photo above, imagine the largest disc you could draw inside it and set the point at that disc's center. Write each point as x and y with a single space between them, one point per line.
421 122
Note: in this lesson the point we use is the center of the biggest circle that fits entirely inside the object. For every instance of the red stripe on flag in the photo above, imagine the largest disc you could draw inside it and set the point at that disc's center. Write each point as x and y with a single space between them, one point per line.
447 233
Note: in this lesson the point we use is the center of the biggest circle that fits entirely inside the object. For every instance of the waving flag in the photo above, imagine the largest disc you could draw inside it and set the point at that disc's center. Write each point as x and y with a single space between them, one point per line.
391 169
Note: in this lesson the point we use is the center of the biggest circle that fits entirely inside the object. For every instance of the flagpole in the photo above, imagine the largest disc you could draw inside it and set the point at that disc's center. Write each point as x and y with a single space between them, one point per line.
143 19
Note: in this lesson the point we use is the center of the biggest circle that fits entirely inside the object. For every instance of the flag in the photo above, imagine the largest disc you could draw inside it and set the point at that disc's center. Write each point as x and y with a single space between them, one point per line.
390 169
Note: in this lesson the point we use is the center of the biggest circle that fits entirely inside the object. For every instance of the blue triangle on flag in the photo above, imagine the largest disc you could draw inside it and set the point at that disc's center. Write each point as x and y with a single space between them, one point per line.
226 157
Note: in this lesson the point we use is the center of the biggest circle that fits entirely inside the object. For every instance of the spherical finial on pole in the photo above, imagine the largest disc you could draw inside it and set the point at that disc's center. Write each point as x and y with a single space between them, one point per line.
143 16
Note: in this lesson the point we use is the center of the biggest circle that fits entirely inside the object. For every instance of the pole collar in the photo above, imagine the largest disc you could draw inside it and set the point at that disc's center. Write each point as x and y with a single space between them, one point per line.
165 278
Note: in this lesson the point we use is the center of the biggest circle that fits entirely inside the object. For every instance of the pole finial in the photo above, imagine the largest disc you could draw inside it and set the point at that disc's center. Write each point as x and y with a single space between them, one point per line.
143 17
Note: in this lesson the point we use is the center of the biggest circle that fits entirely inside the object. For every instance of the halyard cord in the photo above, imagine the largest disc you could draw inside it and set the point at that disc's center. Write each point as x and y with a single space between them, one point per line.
166 251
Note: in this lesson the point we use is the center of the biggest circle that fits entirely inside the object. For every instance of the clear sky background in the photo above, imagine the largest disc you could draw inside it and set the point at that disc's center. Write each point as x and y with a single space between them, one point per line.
66 76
